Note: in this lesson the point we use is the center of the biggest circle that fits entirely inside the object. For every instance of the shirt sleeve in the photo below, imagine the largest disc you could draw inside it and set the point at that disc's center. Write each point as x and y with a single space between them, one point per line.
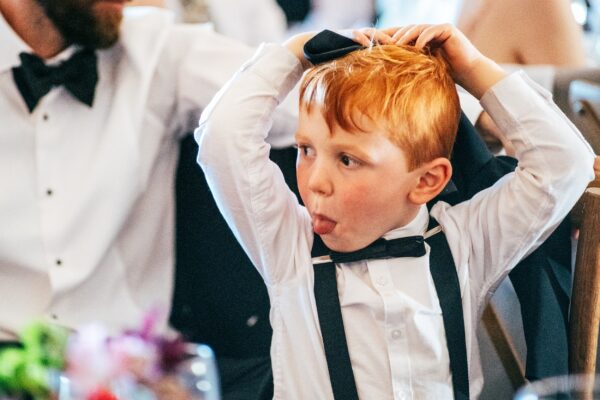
206 61
249 189
493 231
469 105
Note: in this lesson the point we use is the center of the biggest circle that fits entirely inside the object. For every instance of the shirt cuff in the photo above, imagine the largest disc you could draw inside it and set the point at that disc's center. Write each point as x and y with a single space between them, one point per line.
514 97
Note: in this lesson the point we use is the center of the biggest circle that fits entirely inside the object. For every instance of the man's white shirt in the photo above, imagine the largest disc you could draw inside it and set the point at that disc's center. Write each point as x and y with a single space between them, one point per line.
87 203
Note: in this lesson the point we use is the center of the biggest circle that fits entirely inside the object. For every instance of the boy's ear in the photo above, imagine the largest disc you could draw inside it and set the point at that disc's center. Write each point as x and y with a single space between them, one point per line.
432 179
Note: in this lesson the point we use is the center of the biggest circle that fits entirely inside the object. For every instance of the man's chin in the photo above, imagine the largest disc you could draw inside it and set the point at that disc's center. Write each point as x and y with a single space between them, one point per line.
108 29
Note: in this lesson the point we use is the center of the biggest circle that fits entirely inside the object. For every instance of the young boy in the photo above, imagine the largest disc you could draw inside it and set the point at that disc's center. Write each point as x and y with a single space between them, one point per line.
375 132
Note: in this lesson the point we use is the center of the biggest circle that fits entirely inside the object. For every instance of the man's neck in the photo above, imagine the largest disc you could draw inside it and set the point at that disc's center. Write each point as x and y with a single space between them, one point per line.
44 39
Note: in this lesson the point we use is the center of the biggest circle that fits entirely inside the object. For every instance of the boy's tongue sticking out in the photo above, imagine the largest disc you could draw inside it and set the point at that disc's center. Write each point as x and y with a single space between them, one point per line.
322 225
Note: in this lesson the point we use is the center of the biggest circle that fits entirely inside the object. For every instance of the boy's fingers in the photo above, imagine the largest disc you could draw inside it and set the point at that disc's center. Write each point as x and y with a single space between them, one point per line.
391 31
361 38
412 34
377 36
369 36
400 32
383 38
433 34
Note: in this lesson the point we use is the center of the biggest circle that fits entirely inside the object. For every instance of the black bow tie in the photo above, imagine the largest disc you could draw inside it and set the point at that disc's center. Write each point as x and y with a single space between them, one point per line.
78 75
411 246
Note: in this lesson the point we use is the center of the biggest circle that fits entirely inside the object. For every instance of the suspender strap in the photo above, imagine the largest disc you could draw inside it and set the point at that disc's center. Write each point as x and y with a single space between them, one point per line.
334 335
445 278
446 283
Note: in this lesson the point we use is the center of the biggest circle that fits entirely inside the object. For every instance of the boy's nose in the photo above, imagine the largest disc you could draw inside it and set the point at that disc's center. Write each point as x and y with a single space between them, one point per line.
319 181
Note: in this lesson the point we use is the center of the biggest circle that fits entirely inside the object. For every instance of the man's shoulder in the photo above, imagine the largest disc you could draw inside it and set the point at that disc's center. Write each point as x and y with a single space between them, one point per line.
145 23
147 30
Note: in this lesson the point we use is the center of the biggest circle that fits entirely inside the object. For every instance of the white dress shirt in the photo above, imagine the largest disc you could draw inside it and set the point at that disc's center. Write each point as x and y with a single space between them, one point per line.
87 194
390 308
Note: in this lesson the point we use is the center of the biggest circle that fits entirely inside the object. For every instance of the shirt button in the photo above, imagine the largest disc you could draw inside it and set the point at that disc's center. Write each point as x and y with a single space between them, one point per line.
45 117
54 316
252 321
49 192
396 334
381 281
58 262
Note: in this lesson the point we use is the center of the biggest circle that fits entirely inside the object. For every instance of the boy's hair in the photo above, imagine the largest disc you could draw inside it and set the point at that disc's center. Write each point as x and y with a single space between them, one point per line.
406 92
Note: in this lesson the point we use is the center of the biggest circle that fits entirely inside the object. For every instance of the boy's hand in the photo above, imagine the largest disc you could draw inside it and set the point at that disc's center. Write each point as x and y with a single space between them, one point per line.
365 37
295 44
369 36
469 68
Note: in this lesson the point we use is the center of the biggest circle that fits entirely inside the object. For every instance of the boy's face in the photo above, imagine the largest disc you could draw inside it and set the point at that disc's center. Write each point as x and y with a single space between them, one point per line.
354 185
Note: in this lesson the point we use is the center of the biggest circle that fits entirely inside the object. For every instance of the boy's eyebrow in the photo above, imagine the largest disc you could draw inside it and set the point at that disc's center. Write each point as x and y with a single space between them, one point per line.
299 136
354 150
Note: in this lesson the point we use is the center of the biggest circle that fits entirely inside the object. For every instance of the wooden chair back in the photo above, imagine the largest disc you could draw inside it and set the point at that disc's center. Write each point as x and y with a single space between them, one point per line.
584 316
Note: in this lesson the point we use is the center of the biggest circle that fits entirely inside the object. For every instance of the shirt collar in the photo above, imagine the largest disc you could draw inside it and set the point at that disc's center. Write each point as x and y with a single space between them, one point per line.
415 227
13 45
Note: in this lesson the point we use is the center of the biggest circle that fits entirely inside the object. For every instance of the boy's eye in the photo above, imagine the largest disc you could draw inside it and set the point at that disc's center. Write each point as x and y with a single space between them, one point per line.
349 161
305 150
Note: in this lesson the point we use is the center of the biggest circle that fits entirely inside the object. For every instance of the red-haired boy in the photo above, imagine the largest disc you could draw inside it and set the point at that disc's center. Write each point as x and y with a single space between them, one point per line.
375 132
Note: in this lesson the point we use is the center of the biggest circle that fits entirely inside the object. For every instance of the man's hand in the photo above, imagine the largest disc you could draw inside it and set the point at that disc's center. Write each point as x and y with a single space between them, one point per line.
597 168
469 68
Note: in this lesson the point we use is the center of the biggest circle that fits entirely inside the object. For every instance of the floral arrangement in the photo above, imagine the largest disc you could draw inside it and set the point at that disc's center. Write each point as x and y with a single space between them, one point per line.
54 363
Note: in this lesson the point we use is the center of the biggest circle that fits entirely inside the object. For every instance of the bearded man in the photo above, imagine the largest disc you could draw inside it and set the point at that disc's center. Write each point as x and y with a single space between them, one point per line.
94 100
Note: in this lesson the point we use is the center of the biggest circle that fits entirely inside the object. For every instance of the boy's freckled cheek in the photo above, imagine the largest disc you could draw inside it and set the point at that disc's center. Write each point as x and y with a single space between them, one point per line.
356 200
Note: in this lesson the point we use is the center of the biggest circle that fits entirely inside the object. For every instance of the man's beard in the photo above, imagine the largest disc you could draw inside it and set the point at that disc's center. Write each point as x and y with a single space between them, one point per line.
79 23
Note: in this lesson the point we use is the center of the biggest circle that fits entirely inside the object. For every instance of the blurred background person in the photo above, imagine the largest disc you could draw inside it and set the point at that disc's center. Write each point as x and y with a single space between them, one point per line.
251 21
255 21
524 31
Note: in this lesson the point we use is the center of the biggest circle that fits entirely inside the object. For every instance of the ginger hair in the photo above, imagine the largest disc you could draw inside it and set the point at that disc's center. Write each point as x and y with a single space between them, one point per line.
407 93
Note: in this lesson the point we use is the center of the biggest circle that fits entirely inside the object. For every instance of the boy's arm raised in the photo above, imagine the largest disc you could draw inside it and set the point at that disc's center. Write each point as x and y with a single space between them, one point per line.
469 68
248 188
504 223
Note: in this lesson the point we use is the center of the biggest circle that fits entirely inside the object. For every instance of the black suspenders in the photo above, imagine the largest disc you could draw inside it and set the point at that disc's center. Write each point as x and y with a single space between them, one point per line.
447 287
445 279
334 335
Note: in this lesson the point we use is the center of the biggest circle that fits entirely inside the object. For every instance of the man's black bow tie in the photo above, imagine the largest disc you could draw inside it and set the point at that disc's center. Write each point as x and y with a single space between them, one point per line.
78 75
411 246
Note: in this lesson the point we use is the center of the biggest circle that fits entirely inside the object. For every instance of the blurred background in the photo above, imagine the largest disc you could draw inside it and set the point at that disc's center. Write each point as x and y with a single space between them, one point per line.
254 21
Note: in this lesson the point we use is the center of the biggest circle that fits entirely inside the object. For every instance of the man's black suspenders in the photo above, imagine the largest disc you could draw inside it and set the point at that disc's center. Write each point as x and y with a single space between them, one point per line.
447 287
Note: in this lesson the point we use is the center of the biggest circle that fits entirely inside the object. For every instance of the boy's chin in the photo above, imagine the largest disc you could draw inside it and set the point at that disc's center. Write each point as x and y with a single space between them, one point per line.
344 246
